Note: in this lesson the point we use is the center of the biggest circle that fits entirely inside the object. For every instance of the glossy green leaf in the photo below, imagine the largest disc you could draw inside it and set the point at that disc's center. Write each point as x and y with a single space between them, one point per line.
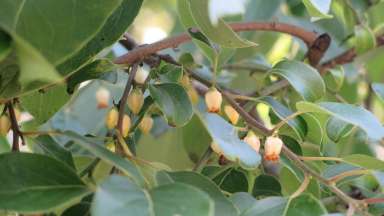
92 26
190 131
315 131
124 165
32 183
364 39
271 206
181 199
242 201
364 161
93 70
337 129
42 105
266 185
225 135
220 32
375 17
278 206
119 196
344 12
173 101
297 123
50 147
349 113
223 206
305 205
170 73
318 9
334 79
378 88
303 78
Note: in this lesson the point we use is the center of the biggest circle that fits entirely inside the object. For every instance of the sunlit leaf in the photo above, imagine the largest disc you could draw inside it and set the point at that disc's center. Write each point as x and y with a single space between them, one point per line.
303 78
318 9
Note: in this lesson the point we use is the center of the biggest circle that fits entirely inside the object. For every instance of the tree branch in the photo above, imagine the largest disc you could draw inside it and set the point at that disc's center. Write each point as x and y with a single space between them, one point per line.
15 127
124 97
140 53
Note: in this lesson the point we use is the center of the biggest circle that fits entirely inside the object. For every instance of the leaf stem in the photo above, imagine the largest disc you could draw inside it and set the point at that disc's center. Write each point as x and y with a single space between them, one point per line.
302 188
345 174
320 158
204 158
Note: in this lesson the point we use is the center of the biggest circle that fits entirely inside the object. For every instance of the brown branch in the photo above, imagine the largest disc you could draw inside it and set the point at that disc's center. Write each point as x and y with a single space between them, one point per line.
124 97
15 128
345 57
140 53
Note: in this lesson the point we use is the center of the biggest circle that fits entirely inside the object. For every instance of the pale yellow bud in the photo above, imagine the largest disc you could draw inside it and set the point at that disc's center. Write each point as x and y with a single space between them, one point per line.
216 148
146 124
193 95
135 101
252 140
185 81
272 148
141 75
213 99
126 126
102 98
5 125
112 118
232 114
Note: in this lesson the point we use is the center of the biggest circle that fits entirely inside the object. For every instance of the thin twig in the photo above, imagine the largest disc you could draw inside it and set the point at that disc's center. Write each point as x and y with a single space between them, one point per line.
345 174
204 158
124 97
15 128
302 188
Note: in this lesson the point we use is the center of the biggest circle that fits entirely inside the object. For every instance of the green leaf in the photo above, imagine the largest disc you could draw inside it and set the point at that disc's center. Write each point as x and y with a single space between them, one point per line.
223 206
364 161
278 206
124 165
5 45
242 201
190 131
297 123
315 131
225 135
318 9
364 39
305 204
170 73
44 104
92 26
271 206
375 17
349 113
119 196
337 129
4 145
266 185
334 79
220 33
93 70
181 199
378 88
32 183
173 102
50 147
303 78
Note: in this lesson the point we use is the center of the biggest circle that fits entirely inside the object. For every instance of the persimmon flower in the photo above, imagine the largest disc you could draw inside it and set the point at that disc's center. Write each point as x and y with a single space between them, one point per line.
213 99
135 101
272 149
232 114
146 124
111 118
5 125
252 140
102 98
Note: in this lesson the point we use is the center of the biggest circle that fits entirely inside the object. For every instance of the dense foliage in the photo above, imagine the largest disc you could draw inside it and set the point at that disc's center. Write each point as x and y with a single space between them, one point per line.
272 109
